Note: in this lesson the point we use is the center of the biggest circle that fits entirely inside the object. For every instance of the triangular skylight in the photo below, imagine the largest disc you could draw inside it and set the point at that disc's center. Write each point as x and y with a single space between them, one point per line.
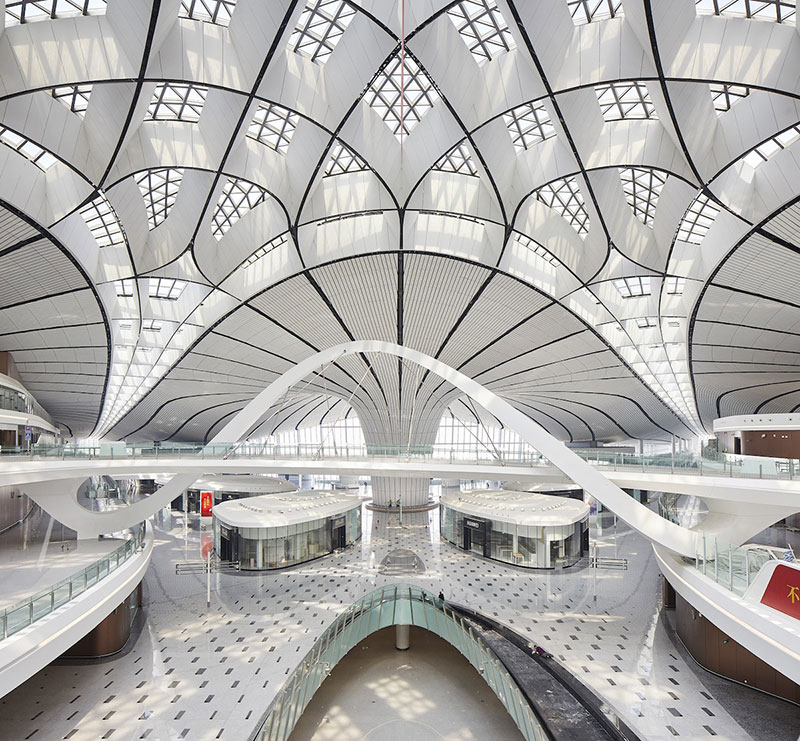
25 11
725 96
342 160
624 100
483 28
159 189
586 11
564 196
459 160
74 97
103 222
320 28
238 197
697 220
274 126
528 124
176 101
418 97
218 12
778 11
642 189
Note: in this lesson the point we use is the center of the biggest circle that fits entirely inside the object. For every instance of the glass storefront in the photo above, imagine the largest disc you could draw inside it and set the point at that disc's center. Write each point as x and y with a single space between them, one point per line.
258 548
535 546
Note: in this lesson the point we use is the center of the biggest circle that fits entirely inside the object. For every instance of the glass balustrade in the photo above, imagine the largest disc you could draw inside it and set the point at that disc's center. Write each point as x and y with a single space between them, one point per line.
512 455
395 605
31 609
18 401
733 567
730 566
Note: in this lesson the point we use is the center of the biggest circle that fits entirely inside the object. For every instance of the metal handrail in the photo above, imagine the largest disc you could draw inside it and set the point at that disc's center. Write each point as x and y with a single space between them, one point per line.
33 608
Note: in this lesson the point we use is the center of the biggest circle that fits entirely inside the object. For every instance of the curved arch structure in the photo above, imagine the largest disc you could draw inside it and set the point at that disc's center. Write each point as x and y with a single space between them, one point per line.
652 526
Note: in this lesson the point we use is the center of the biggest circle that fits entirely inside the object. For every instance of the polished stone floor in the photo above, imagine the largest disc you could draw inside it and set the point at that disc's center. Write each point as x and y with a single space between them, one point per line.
198 673
34 558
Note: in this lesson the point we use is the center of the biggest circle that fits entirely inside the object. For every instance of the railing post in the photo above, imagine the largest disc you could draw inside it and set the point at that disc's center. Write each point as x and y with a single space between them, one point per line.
701 466
730 566
704 553
746 569
760 473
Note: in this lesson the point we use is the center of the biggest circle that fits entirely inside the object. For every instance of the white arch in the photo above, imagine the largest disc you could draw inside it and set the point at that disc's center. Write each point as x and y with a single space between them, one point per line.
89 524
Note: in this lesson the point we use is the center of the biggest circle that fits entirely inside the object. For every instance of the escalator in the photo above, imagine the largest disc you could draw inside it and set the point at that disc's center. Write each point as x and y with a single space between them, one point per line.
565 706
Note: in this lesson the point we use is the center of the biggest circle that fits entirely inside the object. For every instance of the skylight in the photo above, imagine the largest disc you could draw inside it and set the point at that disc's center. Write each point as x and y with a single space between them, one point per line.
264 250
418 97
633 287
778 11
644 322
564 196
642 189
28 149
537 249
210 11
624 100
674 285
342 160
75 97
238 197
483 28
320 28
772 146
25 11
173 101
103 222
151 325
274 126
124 287
159 189
459 160
586 11
168 289
528 125
725 96
697 220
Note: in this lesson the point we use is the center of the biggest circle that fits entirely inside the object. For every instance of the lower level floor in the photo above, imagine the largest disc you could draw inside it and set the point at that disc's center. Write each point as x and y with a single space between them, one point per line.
208 673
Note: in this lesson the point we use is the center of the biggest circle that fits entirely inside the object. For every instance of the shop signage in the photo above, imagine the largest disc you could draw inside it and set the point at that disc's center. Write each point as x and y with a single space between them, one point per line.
206 503
474 524
783 591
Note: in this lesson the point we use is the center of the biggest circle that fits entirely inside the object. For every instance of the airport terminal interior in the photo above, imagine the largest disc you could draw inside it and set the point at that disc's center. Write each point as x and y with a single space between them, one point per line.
400 369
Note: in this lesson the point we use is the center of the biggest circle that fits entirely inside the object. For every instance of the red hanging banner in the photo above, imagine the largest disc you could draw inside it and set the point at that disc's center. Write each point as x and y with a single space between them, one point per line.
783 591
206 502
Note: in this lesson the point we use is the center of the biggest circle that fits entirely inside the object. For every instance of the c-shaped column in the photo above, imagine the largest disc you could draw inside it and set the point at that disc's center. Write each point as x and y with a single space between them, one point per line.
639 517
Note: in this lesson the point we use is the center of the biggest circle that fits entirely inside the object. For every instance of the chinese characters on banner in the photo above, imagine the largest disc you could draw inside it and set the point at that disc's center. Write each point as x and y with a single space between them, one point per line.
783 591
206 502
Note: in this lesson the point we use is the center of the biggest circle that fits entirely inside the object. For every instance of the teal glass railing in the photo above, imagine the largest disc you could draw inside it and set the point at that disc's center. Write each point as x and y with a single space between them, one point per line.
33 608
395 605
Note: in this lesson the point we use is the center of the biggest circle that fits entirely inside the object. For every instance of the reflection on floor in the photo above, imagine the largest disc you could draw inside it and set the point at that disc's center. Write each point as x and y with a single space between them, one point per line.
199 673
34 557
428 692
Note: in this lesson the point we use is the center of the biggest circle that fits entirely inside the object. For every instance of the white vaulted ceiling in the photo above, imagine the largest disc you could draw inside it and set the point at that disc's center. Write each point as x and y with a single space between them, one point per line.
589 206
